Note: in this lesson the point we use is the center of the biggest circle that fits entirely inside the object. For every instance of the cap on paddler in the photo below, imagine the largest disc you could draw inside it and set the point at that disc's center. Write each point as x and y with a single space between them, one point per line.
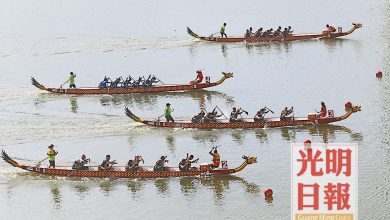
168 104
51 145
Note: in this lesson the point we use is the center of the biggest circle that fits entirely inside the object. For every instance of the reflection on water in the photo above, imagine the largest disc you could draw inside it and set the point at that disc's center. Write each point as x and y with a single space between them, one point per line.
106 187
73 104
188 185
56 195
328 134
162 185
139 100
81 189
170 141
135 187
288 133
202 96
261 136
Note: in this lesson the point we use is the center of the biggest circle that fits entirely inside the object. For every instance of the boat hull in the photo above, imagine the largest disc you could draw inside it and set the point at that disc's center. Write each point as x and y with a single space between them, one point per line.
238 125
151 89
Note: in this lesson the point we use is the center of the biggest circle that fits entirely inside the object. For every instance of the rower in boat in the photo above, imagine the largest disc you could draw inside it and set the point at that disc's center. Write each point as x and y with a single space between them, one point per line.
160 164
329 29
290 31
278 32
285 33
323 112
271 32
51 153
150 80
247 33
216 157
199 117
168 113
104 84
284 115
212 116
70 80
235 113
222 31
133 165
259 117
199 77
185 164
259 32
107 164
80 164
251 31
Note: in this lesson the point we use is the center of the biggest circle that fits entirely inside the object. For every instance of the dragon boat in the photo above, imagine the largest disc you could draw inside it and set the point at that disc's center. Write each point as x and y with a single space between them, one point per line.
311 119
140 89
294 37
119 171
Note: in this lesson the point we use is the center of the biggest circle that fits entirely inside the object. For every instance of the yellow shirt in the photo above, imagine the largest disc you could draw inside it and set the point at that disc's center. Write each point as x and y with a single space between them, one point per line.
52 154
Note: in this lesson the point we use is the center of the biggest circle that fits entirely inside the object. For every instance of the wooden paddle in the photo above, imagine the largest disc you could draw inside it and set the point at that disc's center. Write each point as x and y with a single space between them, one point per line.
39 163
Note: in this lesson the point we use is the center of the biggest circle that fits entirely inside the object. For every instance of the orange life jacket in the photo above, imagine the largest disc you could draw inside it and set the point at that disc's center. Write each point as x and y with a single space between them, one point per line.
216 159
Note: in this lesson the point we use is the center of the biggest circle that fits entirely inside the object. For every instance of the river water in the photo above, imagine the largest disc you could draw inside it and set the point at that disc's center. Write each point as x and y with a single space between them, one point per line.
47 39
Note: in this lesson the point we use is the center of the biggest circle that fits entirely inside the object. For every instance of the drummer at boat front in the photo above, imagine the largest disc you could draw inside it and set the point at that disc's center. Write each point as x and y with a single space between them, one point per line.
51 153
107 163
216 157
71 80
222 30
199 77
329 29
168 113
259 117
286 113
323 112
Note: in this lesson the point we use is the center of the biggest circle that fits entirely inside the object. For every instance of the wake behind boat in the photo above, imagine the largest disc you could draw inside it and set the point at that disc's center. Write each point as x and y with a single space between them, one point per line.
253 38
283 121
127 88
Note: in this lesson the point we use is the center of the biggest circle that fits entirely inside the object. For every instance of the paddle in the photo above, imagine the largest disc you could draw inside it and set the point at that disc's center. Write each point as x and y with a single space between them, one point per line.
221 111
212 35
63 84
160 81
269 110
39 163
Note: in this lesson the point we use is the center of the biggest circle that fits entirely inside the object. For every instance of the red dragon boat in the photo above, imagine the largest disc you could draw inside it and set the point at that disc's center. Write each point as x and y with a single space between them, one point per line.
119 171
128 90
294 37
311 119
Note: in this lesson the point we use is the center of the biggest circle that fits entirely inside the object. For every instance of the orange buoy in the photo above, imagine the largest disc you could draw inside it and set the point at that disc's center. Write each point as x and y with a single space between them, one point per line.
268 193
379 74
307 144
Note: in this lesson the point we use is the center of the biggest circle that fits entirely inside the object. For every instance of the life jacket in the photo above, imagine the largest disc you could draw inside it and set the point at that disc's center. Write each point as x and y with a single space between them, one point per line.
200 76
216 159
332 29
323 111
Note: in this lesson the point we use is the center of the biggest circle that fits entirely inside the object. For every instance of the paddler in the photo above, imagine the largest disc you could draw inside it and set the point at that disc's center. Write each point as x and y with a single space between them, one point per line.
167 113
52 156
285 113
160 164
323 111
330 28
222 31
259 117
133 165
107 163
216 158
71 80
199 77
80 164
